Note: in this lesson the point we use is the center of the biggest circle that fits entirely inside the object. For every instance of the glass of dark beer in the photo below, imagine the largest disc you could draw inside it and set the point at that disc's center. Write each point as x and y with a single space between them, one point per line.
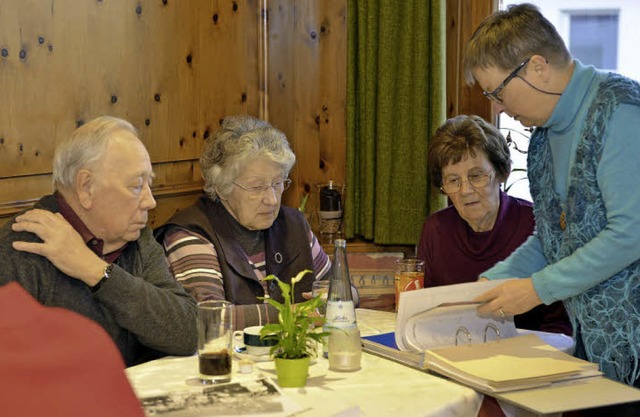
215 341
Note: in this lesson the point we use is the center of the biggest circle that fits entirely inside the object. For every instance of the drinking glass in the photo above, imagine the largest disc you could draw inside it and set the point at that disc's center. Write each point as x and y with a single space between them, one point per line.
215 341
409 276
321 288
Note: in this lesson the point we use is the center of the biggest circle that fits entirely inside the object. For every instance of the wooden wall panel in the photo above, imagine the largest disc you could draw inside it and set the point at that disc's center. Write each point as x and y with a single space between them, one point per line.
307 55
175 69
228 73
463 17
172 68
279 58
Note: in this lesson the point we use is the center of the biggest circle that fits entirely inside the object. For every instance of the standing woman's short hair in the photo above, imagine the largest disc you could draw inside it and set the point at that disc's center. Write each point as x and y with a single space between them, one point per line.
506 38
239 141
466 135
84 148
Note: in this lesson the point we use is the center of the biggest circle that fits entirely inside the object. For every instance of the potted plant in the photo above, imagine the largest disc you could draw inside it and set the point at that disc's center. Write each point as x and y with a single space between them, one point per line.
296 333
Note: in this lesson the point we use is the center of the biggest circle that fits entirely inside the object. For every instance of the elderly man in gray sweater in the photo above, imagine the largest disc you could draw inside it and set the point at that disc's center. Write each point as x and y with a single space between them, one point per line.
86 247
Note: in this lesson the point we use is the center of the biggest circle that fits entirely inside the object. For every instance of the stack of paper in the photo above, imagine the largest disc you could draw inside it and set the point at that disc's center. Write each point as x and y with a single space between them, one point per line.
515 363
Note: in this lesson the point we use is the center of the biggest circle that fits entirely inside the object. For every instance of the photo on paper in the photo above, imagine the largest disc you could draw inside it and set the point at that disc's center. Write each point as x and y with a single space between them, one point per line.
237 398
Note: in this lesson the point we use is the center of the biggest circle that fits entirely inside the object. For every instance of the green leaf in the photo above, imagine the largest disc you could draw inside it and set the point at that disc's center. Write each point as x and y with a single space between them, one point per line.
295 331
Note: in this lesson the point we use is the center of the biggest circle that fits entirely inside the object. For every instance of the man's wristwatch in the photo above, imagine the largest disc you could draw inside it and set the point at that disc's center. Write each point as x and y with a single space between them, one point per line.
105 276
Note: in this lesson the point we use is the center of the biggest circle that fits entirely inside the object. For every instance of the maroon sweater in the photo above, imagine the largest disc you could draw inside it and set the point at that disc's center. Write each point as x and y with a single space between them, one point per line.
454 253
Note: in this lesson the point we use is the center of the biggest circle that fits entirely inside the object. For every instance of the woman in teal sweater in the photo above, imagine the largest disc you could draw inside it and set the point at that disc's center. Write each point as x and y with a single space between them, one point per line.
583 170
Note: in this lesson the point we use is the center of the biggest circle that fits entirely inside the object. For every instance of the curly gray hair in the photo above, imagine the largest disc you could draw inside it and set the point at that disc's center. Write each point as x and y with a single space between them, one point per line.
239 141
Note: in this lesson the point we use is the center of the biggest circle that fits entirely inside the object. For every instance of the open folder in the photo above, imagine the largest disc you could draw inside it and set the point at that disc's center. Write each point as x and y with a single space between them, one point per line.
438 329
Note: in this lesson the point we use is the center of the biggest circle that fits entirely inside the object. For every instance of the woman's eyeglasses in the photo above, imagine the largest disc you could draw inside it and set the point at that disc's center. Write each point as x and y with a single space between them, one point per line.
452 186
258 191
494 94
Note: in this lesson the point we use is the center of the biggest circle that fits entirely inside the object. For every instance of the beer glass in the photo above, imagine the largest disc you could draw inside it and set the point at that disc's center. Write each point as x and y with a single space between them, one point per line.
215 341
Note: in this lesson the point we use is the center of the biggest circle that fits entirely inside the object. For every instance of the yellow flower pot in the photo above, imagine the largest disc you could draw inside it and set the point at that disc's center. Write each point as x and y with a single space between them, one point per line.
292 373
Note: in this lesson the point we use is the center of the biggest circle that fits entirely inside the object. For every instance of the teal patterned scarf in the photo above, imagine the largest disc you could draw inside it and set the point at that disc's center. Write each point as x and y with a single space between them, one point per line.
605 318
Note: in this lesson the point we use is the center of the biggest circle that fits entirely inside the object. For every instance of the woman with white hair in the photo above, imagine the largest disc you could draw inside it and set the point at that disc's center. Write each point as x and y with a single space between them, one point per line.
224 246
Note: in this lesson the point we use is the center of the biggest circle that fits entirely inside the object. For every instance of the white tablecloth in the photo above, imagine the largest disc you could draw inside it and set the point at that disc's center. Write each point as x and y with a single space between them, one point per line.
380 388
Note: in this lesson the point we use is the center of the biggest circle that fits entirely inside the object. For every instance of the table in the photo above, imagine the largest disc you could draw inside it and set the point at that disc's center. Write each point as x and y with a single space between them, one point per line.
380 388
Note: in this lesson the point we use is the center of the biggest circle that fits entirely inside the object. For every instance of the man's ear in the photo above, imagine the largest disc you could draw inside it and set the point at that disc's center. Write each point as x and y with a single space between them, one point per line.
84 188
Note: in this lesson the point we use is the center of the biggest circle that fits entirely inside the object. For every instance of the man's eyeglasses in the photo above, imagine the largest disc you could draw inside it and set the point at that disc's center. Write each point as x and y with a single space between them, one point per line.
494 94
452 186
258 191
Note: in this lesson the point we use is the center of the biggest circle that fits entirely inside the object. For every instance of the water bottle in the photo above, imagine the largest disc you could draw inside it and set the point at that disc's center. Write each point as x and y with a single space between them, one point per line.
344 346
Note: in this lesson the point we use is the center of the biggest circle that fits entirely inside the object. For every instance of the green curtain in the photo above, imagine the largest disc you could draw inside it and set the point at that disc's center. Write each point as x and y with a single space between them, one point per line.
395 101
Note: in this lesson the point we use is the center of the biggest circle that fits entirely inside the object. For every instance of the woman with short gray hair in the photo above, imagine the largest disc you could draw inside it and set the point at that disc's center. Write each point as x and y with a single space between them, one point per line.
224 246
583 167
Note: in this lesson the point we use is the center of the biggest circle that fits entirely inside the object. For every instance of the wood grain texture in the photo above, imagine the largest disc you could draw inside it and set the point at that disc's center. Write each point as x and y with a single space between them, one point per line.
174 69
307 58
463 17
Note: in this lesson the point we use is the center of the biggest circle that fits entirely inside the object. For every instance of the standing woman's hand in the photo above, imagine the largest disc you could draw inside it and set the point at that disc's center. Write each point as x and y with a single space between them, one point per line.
513 297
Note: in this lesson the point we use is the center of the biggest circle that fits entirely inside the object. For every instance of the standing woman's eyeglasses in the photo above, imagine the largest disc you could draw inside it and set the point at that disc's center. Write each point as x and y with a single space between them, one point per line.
494 94
515 73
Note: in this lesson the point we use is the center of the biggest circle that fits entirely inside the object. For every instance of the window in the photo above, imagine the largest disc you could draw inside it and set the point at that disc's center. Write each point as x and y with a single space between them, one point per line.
593 39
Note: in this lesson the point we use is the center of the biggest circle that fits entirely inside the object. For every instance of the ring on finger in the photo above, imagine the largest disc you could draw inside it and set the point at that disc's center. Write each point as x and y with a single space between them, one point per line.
501 312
